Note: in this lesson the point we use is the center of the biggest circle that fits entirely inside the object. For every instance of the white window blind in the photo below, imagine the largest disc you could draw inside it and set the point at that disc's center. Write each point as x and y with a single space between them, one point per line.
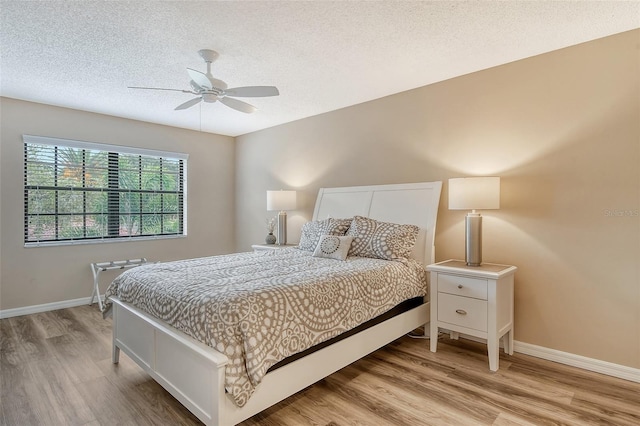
82 192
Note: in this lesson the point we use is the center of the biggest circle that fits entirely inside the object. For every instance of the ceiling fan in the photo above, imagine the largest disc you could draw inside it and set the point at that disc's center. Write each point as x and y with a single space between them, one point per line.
209 89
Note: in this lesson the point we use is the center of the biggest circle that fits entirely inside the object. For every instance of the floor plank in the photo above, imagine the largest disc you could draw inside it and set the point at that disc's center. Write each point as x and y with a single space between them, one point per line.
108 403
54 397
55 369
30 344
49 324
15 402
439 393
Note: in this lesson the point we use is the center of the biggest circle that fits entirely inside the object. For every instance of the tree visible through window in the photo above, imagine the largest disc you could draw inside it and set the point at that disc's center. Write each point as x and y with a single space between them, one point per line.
82 191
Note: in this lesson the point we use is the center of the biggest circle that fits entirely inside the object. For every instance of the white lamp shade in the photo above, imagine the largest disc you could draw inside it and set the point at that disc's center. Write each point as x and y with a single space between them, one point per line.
281 200
474 193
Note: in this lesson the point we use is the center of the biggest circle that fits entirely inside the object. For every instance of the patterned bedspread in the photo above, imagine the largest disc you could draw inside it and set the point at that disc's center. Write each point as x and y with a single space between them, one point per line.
259 308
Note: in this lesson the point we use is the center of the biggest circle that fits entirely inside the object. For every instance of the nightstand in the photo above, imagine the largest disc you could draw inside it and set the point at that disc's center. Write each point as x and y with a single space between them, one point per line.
262 247
473 300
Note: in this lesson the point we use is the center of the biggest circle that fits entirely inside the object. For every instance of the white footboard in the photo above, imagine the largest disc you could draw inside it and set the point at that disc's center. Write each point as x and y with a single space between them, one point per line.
194 373
191 371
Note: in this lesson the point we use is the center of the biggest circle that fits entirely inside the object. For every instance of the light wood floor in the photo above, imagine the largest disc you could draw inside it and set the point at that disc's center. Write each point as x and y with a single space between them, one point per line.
55 369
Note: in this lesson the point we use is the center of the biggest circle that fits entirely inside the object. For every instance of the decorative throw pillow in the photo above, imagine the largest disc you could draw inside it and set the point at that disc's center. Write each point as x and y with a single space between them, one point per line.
311 231
333 247
381 240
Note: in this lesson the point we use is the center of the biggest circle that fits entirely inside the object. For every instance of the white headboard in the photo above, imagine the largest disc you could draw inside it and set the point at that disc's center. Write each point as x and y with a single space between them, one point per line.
410 203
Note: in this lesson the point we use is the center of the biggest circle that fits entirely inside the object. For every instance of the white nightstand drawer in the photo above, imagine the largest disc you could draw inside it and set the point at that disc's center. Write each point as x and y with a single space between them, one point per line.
462 311
462 286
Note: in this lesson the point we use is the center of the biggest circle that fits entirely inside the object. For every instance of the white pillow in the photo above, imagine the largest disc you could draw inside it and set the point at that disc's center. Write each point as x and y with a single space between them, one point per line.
333 247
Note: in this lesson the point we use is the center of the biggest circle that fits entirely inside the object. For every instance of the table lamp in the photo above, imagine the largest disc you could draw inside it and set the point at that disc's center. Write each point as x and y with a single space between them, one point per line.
281 201
474 193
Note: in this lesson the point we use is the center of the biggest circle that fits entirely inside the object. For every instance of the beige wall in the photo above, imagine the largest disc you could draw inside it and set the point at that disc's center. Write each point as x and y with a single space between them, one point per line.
33 276
561 129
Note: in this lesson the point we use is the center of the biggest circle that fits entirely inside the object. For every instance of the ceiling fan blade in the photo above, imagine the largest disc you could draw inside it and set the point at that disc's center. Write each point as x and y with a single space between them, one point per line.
159 88
199 78
253 91
238 105
189 103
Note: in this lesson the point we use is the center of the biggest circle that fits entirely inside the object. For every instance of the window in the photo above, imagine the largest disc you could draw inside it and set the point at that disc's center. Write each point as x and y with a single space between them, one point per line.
82 192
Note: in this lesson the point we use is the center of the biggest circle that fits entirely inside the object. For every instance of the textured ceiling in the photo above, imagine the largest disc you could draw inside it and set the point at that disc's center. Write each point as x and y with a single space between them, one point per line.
321 55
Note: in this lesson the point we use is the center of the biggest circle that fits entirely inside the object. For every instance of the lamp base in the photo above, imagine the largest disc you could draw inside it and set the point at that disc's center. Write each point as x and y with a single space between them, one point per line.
473 239
282 228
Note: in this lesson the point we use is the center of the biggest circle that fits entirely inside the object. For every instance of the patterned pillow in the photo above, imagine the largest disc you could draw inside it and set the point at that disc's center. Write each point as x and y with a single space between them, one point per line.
333 247
338 226
381 240
313 230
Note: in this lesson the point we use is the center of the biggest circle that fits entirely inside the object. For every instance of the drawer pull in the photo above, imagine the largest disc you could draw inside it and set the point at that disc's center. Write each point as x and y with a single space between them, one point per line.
461 312
460 285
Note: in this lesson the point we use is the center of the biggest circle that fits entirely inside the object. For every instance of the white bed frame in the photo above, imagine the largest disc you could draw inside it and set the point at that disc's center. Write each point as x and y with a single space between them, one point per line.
194 373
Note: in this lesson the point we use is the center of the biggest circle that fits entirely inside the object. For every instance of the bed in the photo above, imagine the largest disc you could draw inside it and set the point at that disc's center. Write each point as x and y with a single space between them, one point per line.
194 373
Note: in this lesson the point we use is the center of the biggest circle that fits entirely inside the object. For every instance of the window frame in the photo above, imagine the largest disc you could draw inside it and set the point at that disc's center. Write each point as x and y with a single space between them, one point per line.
113 212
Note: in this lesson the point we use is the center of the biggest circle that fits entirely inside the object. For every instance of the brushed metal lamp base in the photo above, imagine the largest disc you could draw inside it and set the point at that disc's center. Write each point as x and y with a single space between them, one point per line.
282 228
473 239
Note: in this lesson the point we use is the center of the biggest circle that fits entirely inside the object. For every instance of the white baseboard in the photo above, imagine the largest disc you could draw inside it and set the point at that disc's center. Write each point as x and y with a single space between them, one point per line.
579 361
566 358
34 309
591 364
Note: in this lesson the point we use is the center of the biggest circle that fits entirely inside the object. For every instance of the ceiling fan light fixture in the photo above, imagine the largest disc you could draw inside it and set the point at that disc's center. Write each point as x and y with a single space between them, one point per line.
209 97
